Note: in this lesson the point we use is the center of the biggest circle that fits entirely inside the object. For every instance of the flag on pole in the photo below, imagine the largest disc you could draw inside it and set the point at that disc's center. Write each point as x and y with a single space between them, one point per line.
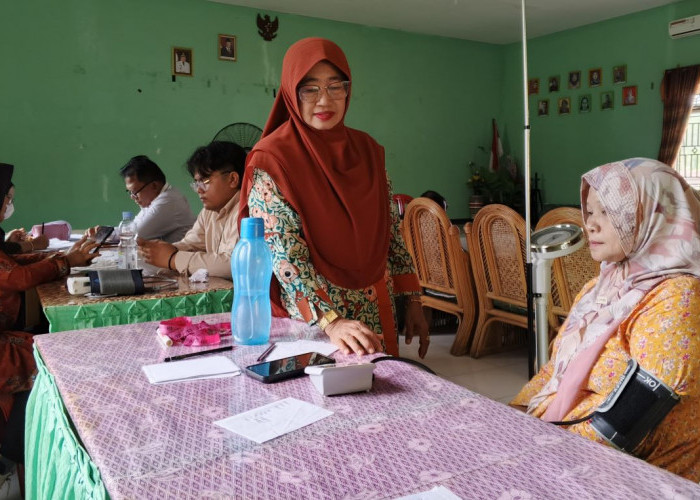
496 148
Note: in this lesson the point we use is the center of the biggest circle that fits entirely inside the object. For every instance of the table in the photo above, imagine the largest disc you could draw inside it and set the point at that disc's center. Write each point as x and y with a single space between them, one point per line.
71 312
412 432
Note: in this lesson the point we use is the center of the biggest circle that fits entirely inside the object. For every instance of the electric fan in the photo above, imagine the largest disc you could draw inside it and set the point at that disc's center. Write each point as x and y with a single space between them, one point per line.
243 134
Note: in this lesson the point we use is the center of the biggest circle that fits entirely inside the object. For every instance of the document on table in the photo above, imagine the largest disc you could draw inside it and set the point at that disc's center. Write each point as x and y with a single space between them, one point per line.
289 349
274 420
191 369
437 493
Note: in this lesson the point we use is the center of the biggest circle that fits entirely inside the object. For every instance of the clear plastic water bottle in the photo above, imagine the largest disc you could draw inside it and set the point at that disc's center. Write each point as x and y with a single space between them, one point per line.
128 251
251 269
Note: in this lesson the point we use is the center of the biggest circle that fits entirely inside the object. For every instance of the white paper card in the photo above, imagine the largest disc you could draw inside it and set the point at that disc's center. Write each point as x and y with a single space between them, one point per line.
274 420
288 349
191 369
437 493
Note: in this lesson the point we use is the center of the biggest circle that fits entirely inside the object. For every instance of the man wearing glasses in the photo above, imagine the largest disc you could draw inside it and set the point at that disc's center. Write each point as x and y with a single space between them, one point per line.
165 213
217 170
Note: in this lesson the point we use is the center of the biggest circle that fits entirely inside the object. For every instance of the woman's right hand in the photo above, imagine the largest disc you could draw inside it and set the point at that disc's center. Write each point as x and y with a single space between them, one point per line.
353 336
40 242
79 254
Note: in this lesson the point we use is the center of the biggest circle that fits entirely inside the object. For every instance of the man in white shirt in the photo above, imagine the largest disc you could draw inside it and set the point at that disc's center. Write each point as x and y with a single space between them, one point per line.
165 213
217 170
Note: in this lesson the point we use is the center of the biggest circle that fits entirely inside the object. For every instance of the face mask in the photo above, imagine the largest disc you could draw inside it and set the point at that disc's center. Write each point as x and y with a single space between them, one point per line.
9 210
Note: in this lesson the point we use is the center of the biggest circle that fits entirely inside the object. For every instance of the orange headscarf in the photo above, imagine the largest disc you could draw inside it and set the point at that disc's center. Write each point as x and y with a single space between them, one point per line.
334 179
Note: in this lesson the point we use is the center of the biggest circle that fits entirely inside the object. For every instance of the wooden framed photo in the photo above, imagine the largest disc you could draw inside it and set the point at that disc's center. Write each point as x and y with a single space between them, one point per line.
543 107
574 79
607 100
564 106
620 74
554 83
182 59
227 48
629 95
584 103
533 86
595 77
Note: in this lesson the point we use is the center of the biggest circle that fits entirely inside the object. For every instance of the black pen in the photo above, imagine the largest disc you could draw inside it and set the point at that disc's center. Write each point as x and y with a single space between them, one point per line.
266 352
42 227
199 353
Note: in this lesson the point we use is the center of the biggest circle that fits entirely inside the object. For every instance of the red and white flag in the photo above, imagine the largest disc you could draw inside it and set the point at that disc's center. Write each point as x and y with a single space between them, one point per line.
496 148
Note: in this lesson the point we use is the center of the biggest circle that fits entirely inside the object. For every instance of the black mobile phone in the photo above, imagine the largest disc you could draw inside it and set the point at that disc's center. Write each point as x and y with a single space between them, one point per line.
103 232
282 369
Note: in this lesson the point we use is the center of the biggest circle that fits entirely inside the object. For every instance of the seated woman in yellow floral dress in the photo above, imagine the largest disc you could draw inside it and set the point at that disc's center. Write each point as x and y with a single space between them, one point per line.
642 223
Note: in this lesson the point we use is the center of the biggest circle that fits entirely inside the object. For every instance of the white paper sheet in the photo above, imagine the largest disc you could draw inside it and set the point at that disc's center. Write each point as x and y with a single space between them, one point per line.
437 493
274 420
287 349
191 369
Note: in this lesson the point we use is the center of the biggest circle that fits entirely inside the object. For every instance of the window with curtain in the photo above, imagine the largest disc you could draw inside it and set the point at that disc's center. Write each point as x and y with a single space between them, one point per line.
688 161
678 90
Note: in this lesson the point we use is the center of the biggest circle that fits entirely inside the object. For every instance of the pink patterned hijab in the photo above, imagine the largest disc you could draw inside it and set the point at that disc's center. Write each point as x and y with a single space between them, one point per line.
656 215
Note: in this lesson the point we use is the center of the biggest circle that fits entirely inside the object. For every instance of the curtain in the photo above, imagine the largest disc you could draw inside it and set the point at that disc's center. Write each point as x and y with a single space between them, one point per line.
678 88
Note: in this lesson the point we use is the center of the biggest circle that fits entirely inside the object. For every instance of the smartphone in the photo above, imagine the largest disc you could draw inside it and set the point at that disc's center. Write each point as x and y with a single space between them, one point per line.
281 369
103 232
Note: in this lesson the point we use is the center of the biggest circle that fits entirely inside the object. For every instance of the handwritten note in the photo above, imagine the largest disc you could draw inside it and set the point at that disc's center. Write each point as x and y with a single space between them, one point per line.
274 420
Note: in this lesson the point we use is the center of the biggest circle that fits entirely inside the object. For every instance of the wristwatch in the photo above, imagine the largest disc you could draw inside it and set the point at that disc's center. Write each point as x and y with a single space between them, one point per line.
327 319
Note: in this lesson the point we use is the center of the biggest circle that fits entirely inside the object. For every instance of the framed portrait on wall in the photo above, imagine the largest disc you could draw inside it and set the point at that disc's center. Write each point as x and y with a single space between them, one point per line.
595 77
607 101
574 79
181 58
564 106
533 86
584 103
554 83
629 95
543 107
227 48
620 74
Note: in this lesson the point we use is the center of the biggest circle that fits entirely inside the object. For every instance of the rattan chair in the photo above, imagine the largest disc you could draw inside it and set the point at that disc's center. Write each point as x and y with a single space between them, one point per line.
442 266
572 272
496 240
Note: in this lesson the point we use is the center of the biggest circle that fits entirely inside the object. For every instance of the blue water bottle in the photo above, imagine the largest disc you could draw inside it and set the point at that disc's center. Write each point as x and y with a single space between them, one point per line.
251 269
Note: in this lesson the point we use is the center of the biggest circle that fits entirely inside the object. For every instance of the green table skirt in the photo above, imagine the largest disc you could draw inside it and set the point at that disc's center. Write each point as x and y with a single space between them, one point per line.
57 465
123 312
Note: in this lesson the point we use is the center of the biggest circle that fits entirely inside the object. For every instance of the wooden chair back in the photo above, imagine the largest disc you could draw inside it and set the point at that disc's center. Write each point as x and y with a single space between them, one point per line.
571 272
442 266
496 240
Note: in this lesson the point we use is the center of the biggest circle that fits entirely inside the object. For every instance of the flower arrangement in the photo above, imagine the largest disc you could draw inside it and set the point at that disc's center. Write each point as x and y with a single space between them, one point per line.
503 186
476 180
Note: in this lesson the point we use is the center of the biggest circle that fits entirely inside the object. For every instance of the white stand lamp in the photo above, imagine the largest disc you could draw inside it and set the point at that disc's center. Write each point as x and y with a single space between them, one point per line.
546 245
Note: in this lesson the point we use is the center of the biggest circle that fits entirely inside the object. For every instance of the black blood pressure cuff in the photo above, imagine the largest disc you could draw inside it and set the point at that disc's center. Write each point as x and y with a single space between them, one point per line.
637 404
116 282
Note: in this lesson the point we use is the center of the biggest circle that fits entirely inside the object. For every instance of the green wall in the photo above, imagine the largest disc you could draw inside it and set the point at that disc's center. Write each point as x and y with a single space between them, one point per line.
86 84
565 146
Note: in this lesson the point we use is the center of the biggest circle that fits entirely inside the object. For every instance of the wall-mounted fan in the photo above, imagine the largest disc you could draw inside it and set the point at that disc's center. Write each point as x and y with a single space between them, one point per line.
243 134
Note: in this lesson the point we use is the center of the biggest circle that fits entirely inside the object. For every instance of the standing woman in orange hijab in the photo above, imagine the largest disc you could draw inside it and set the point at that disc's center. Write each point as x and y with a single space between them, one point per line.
322 189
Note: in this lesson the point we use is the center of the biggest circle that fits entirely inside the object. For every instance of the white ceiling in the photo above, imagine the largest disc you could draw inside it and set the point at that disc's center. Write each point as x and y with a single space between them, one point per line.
491 21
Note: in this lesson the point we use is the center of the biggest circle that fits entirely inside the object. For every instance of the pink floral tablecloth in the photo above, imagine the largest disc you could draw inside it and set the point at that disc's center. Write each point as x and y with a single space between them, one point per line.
412 432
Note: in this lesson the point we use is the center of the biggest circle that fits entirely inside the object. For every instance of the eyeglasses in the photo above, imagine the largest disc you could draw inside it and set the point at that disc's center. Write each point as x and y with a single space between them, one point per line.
203 184
335 91
135 194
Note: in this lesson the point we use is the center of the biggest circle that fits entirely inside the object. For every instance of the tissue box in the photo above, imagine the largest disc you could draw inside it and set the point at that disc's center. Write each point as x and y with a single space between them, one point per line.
334 380
57 229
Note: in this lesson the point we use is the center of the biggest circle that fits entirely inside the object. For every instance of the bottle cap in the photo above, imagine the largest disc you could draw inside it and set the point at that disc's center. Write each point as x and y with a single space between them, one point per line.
127 215
252 227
